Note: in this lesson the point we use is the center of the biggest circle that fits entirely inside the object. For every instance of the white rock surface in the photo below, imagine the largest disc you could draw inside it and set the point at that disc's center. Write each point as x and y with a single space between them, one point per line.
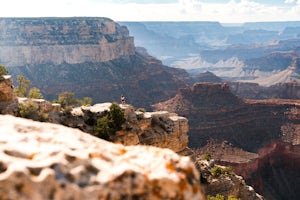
48 161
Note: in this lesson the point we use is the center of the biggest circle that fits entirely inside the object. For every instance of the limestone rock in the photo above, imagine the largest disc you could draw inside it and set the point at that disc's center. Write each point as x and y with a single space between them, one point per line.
69 40
6 88
47 161
225 184
161 129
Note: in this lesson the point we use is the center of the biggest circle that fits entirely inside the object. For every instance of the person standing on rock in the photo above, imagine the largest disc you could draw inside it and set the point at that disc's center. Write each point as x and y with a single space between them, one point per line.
123 101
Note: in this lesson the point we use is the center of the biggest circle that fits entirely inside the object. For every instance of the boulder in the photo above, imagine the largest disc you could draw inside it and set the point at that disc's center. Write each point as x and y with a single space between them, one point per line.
49 161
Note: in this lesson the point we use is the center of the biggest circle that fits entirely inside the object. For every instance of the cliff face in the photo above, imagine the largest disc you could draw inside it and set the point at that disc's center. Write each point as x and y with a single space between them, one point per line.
214 112
26 41
258 138
92 57
6 88
161 129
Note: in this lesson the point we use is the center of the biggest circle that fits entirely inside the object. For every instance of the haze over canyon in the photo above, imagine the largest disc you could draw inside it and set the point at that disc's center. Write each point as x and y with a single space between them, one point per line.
238 87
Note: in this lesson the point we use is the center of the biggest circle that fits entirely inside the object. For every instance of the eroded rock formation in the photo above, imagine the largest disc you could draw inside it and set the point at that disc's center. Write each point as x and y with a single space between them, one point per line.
259 138
6 88
160 129
27 41
93 57
47 161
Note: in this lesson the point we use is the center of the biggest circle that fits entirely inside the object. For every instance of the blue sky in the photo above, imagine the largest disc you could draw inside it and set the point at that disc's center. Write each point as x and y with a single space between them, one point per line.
226 11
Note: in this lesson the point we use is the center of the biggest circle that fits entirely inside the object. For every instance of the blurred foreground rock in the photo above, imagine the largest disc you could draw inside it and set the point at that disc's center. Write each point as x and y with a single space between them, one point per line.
48 161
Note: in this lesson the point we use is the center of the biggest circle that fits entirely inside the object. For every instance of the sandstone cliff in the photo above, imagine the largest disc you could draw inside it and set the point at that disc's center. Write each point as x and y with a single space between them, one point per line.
6 88
46 161
160 129
27 41
214 112
246 134
93 57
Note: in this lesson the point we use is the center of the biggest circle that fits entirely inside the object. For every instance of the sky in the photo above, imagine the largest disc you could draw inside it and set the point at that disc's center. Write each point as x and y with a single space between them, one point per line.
224 11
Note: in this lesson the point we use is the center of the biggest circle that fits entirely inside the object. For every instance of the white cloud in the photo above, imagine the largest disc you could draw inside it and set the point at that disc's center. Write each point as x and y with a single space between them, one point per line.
289 1
183 10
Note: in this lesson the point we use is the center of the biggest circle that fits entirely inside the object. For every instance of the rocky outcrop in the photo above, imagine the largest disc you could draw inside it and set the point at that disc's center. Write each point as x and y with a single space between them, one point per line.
251 133
225 184
92 57
46 161
160 129
273 171
6 88
214 112
27 41
7 100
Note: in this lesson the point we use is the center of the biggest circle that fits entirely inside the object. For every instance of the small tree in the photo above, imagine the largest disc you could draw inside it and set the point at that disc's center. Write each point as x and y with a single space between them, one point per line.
110 123
22 90
66 99
86 101
102 129
116 115
231 197
206 156
3 70
28 109
217 197
35 93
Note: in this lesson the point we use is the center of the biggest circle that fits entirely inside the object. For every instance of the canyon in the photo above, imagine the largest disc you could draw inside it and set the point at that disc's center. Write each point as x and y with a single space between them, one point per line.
258 138
245 52
97 57
160 129
93 57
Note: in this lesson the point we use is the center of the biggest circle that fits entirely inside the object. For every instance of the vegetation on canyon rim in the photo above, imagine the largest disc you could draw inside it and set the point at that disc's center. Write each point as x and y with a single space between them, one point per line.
110 123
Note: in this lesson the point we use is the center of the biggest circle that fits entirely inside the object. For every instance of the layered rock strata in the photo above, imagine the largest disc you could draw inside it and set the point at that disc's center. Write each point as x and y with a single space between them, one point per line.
47 161
258 138
160 129
27 41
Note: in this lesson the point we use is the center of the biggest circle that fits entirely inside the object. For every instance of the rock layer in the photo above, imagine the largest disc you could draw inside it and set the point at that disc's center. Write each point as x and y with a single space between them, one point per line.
26 41
259 138
6 88
161 129
46 161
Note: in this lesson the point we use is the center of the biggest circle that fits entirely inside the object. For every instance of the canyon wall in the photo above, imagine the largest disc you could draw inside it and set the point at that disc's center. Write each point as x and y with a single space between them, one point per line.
26 41
6 88
258 138
93 57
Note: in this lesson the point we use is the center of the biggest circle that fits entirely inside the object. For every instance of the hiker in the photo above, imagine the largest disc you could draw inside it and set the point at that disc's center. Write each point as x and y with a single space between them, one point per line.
122 100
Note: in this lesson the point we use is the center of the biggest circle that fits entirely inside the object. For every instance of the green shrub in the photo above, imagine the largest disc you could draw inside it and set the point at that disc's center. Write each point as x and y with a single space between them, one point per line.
218 171
66 99
217 197
228 170
116 116
28 109
109 124
206 156
103 129
43 117
3 70
22 89
35 93
86 101
231 197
